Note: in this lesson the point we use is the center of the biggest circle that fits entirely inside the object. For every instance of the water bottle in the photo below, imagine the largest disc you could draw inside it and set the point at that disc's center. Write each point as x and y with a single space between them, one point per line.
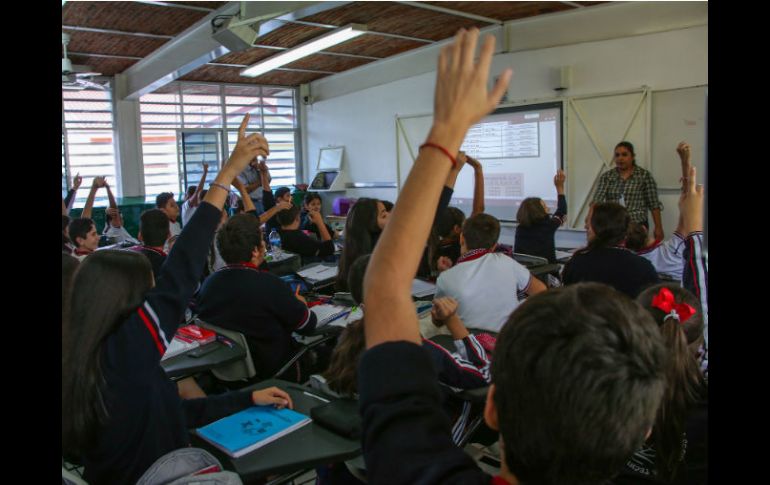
275 243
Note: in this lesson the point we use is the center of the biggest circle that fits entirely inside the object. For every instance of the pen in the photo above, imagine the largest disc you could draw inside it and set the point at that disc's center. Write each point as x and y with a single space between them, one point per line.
313 395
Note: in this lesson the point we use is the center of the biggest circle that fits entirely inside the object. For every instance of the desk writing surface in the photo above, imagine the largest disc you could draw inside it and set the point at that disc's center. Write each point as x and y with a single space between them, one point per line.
307 447
183 365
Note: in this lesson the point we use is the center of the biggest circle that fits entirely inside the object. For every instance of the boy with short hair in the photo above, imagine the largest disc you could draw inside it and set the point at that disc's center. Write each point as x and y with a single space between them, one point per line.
296 241
165 201
485 283
82 232
577 374
153 232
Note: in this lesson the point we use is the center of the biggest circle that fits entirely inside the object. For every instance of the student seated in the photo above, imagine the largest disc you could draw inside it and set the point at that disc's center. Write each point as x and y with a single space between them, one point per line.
312 203
120 412
296 241
485 283
560 358
165 202
605 259
537 228
467 367
82 232
260 305
114 229
153 233
363 225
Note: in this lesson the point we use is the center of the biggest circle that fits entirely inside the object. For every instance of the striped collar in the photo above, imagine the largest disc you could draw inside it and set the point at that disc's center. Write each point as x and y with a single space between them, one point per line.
472 254
83 251
251 266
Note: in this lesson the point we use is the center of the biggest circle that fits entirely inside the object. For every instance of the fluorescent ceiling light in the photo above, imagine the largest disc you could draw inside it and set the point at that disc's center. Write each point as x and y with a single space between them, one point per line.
334 37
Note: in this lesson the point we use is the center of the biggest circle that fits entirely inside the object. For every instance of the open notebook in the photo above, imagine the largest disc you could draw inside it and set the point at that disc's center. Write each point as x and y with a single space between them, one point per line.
421 288
330 314
318 273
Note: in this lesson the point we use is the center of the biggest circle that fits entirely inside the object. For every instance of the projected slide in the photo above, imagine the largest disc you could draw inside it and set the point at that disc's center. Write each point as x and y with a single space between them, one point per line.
520 150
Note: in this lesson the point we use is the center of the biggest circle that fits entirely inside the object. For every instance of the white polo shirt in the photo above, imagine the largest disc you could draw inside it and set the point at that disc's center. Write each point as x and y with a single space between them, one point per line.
667 257
485 285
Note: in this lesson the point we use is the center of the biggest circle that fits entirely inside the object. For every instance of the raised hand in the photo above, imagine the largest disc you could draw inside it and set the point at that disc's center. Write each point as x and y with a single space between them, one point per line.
443 263
559 178
473 162
683 149
316 217
76 181
283 205
462 97
691 204
99 182
247 148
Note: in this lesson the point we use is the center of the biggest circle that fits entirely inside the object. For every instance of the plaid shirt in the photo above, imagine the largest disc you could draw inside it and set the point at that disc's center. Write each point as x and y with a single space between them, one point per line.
639 192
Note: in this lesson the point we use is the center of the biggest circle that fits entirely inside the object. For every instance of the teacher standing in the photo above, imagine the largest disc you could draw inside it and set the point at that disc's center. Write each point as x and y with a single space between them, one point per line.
631 186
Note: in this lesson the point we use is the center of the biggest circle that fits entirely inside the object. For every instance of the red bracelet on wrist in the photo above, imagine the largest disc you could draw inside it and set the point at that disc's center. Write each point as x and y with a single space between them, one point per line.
444 150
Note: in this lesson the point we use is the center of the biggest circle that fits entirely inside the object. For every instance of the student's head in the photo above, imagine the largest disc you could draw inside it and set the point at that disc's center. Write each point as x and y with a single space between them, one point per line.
578 376
531 211
190 192
288 217
107 287
283 194
153 228
362 229
636 236
342 375
624 155
240 240
312 202
669 305
608 225
82 232
166 202
388 206
450 222
480 232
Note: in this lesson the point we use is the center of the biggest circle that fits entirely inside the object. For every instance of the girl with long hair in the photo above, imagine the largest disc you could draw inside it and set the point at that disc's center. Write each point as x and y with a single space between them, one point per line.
363 226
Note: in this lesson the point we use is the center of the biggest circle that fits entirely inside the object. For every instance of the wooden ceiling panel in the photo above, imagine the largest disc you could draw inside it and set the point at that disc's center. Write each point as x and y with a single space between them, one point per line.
106 66
505 11
130 17
119 45
211 5
321 62
247 57
291 35
376 46
395 18
230 75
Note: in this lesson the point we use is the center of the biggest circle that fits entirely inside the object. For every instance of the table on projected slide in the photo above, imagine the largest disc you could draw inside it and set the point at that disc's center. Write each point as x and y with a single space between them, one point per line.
307 447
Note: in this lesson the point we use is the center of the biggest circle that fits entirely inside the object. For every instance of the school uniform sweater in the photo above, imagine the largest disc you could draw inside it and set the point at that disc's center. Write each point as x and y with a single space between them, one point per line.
619 268
261 306
298 242
146 417
538 239
156 256
404 439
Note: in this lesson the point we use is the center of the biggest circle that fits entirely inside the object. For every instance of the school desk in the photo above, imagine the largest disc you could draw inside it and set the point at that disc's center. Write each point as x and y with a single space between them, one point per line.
184 364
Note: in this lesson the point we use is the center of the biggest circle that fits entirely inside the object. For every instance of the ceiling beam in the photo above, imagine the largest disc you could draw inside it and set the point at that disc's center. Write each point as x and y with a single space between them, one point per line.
178 57
573 4
177 5
116 32
450 11
315 71
107 56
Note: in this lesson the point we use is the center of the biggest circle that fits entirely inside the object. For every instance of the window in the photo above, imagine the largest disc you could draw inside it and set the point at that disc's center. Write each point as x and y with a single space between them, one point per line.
87 142
187 107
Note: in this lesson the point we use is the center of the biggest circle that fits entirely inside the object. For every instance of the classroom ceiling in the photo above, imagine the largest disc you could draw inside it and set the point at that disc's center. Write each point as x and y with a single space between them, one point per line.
110 37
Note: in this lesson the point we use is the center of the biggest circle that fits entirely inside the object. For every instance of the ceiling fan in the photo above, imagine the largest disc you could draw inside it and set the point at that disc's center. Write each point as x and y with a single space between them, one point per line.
76 77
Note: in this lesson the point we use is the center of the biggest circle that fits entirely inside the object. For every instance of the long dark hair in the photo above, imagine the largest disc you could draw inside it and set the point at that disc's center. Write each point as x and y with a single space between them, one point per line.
684 382
361 234
107 287
65 241
530 212
69 265
610 223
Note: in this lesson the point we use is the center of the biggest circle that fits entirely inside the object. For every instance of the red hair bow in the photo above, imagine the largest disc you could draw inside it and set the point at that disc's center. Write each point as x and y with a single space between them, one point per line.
665 301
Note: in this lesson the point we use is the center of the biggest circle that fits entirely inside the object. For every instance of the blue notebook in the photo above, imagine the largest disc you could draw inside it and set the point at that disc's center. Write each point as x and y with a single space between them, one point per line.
247 430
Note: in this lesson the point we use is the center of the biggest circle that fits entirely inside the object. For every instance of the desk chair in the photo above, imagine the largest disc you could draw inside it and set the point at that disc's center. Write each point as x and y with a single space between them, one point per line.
241 370
528 261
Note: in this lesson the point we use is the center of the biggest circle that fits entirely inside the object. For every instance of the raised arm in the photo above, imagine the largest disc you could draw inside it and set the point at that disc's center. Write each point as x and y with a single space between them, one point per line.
70 199
195 199
478 186
248 204
461 99
561 204
88 208
113 203
683 150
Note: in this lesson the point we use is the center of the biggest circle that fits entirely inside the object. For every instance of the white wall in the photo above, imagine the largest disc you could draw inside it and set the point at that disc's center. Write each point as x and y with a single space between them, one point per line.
364 121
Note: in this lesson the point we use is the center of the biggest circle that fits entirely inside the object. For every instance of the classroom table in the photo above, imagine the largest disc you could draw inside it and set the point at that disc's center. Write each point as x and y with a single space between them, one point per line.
183 365
287 263
306 448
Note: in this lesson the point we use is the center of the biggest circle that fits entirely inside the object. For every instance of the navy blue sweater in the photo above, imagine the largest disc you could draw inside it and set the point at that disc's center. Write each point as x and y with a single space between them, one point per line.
147 419
538 239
